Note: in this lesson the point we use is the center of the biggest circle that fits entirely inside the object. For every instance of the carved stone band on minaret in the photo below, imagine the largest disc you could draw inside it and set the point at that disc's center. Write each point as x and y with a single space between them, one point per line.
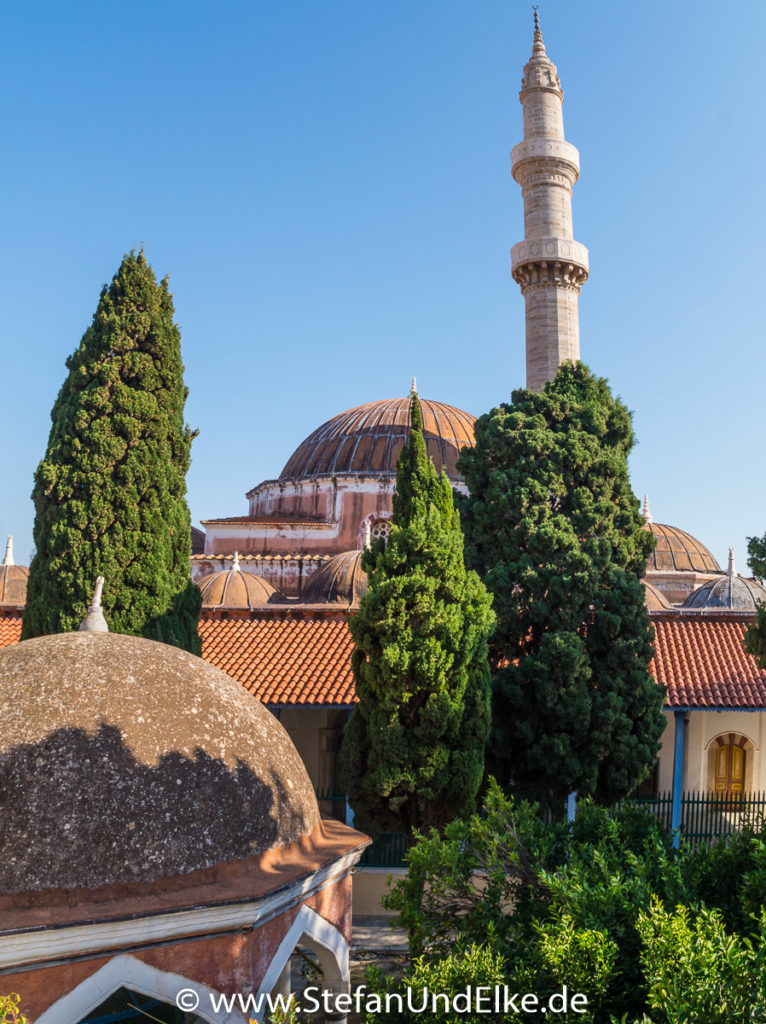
549 265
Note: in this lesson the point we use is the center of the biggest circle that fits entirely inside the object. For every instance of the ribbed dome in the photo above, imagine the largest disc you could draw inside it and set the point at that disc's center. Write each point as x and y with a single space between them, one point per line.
655 599
233 588
340 581
126 760
678 551
729 592
369 439
13 584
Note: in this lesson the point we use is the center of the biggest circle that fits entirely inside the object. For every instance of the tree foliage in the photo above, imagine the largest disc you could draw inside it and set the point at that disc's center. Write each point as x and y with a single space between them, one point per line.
553 528
755 637
413 751
110 492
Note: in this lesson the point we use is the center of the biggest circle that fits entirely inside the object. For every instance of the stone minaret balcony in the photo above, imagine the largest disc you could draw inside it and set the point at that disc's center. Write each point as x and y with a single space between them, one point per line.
549 265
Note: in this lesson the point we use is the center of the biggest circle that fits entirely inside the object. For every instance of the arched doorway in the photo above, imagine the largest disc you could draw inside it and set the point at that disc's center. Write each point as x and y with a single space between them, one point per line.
128 1007
730 765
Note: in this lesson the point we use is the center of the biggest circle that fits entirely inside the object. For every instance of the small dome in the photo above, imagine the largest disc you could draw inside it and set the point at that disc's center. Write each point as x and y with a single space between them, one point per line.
655 599
729 592
678 551
369 439
233 588
126 760
340 581
13 584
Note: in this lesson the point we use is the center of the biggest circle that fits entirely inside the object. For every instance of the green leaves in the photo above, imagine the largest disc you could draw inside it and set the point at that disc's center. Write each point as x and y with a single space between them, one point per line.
413 752
110 493
553 529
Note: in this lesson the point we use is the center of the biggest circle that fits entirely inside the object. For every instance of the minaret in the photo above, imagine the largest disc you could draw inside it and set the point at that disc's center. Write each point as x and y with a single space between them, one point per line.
549 265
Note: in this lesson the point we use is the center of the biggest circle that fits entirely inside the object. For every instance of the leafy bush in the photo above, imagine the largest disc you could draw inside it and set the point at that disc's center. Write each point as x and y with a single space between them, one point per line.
9 1010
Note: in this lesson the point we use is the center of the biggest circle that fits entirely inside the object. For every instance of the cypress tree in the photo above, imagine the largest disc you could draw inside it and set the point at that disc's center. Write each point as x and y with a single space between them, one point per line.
413 751
553 528
110 493
755 637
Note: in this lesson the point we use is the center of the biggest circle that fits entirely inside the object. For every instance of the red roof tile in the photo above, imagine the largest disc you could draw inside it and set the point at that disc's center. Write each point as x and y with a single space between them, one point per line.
702 661
10 626
290 657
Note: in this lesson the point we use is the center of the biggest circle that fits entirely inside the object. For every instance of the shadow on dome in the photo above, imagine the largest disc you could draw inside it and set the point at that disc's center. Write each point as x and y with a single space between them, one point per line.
94 815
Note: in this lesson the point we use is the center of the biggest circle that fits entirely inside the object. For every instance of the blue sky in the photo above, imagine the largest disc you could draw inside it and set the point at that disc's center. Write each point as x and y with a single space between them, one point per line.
328 186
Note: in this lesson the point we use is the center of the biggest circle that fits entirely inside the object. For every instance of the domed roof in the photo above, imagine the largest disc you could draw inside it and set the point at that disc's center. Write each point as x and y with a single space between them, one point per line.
340 581
369 439
13 578
730 591
233 588
126 760
655 599
678 551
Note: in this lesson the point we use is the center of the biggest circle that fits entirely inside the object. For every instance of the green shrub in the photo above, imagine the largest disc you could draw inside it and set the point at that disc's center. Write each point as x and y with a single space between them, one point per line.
9 1010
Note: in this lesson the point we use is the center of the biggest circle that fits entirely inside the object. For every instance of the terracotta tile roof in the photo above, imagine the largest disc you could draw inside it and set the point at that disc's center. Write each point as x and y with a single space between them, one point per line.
266 520
284 659
10 626
304 658
702 661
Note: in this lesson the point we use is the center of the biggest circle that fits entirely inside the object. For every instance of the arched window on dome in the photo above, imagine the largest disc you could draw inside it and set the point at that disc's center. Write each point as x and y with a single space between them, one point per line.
380 528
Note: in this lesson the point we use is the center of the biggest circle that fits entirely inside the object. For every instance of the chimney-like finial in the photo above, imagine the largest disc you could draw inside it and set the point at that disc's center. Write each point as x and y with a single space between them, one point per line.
8 560
645 510
367 534
94 621
414 386
235 563
731 571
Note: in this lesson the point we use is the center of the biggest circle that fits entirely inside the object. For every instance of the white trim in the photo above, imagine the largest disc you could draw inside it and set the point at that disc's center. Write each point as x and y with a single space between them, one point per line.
320 935
40 944
126 971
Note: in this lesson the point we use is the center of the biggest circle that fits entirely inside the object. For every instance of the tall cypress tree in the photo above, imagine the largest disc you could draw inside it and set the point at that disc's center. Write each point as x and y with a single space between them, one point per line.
553 528
755 637
110 493
413 751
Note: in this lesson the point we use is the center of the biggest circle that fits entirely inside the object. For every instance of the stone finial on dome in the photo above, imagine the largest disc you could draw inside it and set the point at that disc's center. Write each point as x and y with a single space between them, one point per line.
8 560
414 386
94 621
235 563
731 571
647 515
367 543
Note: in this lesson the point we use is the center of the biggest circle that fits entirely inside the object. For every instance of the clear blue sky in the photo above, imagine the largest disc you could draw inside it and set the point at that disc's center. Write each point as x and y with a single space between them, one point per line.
328 186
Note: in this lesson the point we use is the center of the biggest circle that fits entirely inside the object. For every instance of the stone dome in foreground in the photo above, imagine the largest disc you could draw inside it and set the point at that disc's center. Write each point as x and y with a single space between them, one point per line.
729 592
126 760
369 439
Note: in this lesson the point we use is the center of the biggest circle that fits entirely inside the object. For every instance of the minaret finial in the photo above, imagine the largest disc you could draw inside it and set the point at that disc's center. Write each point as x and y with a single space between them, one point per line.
645 510
414 386
235 564
731 571
536 8
8 560
94 621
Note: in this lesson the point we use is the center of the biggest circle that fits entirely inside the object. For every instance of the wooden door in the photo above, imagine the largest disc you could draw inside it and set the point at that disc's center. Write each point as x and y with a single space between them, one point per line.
730 770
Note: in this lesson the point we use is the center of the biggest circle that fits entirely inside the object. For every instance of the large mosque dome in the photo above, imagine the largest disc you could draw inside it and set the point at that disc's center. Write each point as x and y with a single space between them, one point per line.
124 760
369 439
678 551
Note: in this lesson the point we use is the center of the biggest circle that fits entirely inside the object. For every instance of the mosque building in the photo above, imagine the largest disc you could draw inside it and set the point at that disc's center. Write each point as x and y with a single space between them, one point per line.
279 583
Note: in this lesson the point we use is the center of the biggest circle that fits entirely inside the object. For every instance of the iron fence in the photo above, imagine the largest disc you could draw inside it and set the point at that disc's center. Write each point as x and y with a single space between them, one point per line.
707 816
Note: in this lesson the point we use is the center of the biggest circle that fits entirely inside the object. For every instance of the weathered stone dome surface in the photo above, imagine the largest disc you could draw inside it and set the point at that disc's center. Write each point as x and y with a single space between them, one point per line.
678 551
728 592
126 760
369 439
655 599
233 588
342 580
13 584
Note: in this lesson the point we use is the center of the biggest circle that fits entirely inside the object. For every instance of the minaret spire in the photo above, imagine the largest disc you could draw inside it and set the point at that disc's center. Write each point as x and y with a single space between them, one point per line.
549 265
